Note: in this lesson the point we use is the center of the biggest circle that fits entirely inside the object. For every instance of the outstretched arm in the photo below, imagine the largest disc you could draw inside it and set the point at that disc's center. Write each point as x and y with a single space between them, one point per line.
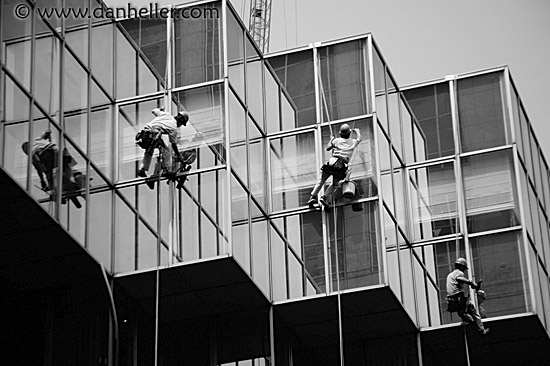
358 133
462 279
330 146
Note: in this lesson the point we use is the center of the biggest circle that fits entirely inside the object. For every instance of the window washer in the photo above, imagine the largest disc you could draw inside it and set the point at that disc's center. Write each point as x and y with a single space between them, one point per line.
44 159
342 150
458 299
150 138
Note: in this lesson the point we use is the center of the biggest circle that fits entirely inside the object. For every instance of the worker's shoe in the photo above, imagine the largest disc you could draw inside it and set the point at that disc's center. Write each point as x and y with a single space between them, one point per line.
484 331
141 173
312 202
324 202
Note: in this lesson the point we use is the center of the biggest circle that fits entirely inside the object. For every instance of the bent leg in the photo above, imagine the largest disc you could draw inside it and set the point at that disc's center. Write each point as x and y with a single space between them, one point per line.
320 183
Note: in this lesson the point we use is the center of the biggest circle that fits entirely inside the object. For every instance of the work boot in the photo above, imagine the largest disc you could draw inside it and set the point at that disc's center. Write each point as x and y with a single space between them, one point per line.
142 173
312 201
324 202
484 331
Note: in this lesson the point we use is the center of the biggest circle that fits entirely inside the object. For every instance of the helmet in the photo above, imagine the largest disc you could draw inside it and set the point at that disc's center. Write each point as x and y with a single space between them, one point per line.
25 147
345 130
461 262
182 118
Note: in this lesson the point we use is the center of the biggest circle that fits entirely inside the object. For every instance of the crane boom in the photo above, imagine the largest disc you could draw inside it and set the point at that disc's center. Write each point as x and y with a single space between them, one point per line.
260 20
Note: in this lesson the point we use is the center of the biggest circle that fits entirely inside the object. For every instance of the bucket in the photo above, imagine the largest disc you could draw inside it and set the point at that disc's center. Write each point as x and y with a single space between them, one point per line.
348 189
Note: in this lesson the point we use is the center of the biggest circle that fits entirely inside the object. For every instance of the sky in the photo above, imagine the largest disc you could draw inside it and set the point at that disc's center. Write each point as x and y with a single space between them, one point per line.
429 39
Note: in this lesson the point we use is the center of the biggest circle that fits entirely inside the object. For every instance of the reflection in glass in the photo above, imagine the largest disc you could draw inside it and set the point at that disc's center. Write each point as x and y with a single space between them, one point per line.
99 226
434 201
497 261
239 217
342 71
198 47
431 106
16 41
75 87
235 54
205 130
295 70
131 119
483 123
490 193
278 266
101 139
149 34
102 55
260 254
379 71
126 73
272 109
293 170
357 249
46 73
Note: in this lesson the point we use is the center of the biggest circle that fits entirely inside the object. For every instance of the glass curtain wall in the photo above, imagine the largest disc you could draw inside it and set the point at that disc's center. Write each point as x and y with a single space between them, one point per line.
471 192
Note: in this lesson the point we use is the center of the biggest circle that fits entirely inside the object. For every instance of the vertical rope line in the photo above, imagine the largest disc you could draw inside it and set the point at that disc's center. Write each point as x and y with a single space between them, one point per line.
340 335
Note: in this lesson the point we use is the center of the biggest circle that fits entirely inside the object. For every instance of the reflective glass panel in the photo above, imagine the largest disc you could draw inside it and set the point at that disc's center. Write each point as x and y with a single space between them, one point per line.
431 106
102 55
295 70
205 132
433 201
342 83
126 61
490 191
357 248
99 226
46 80
16 41
198 47
482 120
497 261
235 54
131 119
293 170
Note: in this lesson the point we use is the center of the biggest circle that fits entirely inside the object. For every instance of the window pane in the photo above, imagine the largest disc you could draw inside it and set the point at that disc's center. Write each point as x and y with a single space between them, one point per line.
131 119
278 266
102 55
358 256
293 170
497 261
379 72
254 85
481 112
260 252
101 133
434 201
198 56
239 218
16 41
46 83
431 106
205 131
490 191
150 37
362 163
235 54
256 147
271 102
125 237
126 60
99 222
295 70
342 80
75 79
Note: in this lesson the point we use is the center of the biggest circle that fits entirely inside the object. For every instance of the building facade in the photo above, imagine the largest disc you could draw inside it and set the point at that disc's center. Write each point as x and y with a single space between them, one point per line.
104 267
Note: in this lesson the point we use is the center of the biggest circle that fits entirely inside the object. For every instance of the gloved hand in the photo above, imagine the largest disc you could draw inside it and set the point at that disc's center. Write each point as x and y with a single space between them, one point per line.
474 285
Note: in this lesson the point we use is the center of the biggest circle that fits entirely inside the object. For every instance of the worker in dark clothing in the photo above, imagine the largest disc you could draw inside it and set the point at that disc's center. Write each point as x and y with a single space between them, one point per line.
457 296
150 138
342 150
44 159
